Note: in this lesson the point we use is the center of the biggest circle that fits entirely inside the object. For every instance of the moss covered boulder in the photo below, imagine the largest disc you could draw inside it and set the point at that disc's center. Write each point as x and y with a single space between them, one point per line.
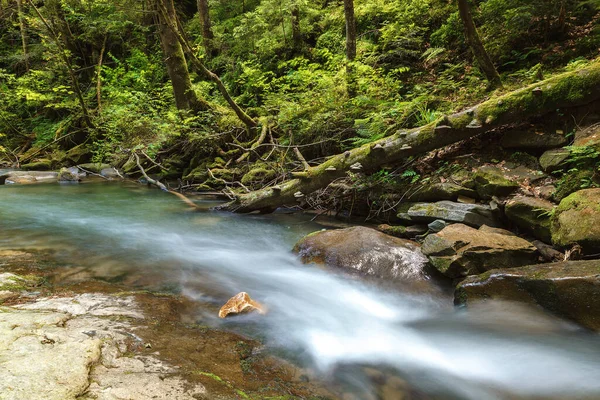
577 221
364 250
553 160
531 215
40 165
258 175
493 181
459 250
570 289
80 154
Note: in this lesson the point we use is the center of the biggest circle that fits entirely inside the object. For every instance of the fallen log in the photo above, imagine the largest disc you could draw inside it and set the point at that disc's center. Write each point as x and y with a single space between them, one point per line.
569 89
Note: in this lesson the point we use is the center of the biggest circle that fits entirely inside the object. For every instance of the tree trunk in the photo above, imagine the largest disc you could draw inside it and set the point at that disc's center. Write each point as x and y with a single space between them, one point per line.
185 97
99 74
205 24
23 34
350 47
567 90
474 41
296 34
68 64
171 22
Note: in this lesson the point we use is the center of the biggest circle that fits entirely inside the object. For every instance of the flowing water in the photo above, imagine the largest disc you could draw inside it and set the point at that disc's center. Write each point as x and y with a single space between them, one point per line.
148 239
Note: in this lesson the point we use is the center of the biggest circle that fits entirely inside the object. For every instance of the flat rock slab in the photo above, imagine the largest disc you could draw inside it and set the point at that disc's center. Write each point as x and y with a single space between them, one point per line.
469 214
27 177
570 289
533 138
364 250
459 250
67 348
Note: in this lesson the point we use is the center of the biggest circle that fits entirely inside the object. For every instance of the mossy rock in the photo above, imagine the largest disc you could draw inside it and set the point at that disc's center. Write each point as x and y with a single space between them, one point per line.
225 173
531 215
218 162
199 174
491 181
571 182
459 250
79 154
41 165
554 160
130 166
576 220
258 175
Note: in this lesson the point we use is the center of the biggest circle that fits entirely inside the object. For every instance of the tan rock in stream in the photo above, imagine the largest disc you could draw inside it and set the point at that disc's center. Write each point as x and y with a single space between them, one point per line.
241 303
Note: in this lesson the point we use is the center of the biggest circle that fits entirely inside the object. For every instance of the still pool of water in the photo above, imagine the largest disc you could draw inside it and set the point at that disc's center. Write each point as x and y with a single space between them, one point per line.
148 239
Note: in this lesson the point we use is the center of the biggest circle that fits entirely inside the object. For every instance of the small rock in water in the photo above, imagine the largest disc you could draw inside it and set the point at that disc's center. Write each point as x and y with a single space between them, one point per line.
241 303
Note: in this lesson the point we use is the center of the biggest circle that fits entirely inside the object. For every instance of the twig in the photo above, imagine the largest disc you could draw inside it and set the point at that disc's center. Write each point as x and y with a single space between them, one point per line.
301 158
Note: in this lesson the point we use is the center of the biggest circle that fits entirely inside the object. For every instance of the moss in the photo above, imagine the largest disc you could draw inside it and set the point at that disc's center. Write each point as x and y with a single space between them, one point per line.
491 182
42 165
571 182
258 175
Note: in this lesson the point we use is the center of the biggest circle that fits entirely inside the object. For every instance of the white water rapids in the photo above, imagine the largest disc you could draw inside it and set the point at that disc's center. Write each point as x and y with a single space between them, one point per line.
501 351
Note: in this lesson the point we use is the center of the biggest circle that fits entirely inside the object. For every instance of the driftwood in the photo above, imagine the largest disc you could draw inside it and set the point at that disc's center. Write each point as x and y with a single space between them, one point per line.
570 89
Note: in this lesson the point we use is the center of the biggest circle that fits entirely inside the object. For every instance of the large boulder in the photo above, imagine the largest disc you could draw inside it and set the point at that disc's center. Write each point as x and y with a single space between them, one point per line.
576 220
459 250
531 215
570 289
470 214
364 250
534 138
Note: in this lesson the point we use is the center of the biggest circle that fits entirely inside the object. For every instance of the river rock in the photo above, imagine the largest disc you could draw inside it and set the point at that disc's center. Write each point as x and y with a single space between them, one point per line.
437 225
440 191
68 175
459 250
576 220
553 160
364 250
470 214
241 303
111 173
534 138
26 177
570 289
493 181
531 215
